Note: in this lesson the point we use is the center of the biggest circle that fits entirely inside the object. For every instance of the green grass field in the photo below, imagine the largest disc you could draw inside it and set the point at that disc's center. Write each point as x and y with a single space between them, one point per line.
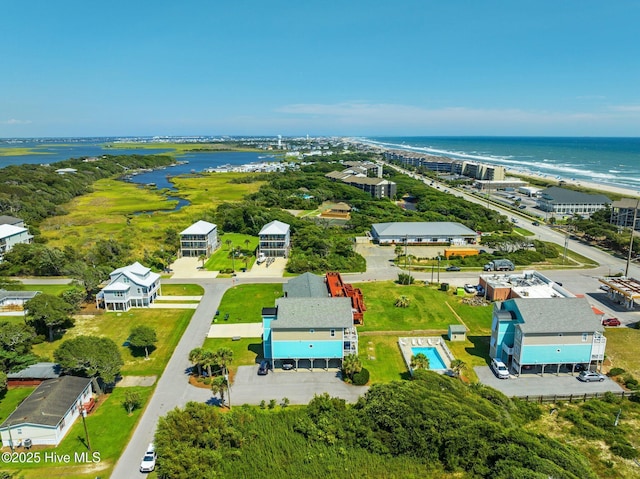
427 310
244 302
221 259
169 325
621 349
382 357
182 290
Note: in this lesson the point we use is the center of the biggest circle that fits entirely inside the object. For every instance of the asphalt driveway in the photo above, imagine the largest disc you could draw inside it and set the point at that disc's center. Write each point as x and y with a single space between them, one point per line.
549 385
298 386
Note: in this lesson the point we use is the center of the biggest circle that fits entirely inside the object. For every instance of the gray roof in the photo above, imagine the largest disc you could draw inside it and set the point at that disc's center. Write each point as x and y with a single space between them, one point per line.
49 403
362 180
557 315
558 195
10 220
630 203
307 285
457 328
199 228
313 313
22 295
422 228
38 371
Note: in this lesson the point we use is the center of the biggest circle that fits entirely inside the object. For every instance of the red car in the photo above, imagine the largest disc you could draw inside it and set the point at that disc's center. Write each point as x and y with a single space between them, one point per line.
611 322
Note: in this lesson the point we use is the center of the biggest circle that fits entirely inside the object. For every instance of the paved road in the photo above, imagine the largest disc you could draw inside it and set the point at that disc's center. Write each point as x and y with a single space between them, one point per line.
173 389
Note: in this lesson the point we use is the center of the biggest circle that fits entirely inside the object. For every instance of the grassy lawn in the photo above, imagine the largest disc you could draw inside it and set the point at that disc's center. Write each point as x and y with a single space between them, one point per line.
182 290
621 349
169 325
109 428
12 399
221 259
53 289
245 351
427 309
388 364
523 231
244 302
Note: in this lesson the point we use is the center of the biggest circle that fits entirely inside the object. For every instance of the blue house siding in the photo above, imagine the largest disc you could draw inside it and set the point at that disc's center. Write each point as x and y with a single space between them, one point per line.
266 336
307 349
556 353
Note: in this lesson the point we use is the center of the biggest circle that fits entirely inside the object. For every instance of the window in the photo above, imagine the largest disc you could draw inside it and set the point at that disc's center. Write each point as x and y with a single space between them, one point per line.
332 333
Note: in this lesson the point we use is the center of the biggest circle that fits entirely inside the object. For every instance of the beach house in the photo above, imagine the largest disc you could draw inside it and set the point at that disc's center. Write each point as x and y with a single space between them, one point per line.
309 332
274 240
11 235
545 334
199 239
132 286
45 417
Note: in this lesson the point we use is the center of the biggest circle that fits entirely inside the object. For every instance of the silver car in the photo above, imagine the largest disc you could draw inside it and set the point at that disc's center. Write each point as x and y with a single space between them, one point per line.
589 376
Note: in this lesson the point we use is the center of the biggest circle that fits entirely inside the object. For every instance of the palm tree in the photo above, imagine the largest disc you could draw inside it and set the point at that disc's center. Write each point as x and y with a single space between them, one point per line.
224 357
419 361
457 365
208 359
202 258
351 365
195 356
402 302
228 243
247 242
218 386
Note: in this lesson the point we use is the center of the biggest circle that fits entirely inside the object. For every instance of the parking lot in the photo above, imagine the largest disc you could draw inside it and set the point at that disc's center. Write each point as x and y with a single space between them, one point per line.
547 385
298 386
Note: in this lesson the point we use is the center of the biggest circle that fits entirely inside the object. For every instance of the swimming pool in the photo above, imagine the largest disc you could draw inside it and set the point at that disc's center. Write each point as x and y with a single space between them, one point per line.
432 354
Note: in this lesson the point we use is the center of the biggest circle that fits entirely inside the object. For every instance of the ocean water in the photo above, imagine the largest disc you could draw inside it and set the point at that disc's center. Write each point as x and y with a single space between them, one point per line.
608 161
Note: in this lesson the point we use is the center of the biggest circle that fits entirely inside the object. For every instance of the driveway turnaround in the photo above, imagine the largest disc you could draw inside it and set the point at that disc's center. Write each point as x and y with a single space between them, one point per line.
298 386
547 385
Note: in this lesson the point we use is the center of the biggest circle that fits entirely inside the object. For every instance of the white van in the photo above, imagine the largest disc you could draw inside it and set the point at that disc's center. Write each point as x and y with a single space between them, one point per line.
499 368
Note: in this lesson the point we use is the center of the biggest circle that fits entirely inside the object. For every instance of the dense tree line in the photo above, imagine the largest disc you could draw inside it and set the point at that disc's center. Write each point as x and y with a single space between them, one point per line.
598 229
431 426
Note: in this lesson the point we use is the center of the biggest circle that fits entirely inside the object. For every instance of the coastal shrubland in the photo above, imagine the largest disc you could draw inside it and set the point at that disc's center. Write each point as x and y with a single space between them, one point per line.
400 429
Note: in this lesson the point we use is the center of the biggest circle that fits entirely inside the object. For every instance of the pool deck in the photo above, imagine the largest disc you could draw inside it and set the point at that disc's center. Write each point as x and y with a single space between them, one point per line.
437 342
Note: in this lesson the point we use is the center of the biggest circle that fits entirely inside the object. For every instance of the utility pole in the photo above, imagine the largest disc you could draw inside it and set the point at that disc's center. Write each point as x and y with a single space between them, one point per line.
226 379
406 240
633 228
83 413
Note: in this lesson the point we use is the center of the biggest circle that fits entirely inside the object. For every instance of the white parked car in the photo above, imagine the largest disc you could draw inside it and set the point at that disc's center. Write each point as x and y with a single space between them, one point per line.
148 462
500 369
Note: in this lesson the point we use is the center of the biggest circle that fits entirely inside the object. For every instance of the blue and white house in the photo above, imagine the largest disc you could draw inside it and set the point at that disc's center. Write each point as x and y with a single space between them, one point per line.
11 235
545 333
133 286
309 331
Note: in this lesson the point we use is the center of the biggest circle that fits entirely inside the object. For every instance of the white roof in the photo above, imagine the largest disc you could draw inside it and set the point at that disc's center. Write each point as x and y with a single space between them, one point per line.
10 230
135 268
199 228
431 228
117 286
136 273
275 228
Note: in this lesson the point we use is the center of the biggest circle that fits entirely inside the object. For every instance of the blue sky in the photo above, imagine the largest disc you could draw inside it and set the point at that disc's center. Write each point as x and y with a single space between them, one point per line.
558 68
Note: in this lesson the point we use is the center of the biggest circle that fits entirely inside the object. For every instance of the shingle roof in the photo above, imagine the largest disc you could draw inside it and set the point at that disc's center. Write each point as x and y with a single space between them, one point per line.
49 403
307 285
38 371
275 228
558 195
557 315
9 220
432 228
21 295
199 228
313 313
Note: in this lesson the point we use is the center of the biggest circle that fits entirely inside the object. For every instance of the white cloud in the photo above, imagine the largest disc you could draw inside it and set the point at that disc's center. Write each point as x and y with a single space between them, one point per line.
626 108
13 121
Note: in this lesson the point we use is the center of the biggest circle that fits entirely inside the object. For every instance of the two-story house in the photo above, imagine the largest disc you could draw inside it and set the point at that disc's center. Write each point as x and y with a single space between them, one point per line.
275 240
543 334
132 286
199 239
311 332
